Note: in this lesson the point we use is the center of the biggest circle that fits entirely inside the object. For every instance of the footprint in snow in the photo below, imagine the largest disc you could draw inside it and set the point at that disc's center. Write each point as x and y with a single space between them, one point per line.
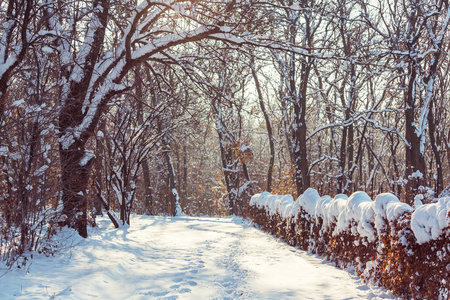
192 283
170 298
155 294
177 279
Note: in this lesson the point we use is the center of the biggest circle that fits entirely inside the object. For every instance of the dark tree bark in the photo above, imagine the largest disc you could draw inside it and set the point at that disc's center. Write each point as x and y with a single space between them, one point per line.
148 195
268 125
14 11
148 188
230 173
436 151
75 174
99 171
172 183
185 169
414 156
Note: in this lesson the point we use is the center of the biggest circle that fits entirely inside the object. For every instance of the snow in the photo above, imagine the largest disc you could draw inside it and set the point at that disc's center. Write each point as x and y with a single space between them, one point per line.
417 174
428 221
358 208
88 155
18 103
4 150
179 258
322 209
7 64
41 170
336 206
445 192
245 148
371 217
308 201
283 205
178 210
47 50
387 206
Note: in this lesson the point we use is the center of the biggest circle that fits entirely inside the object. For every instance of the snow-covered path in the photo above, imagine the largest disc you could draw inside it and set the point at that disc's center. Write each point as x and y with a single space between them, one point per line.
182 258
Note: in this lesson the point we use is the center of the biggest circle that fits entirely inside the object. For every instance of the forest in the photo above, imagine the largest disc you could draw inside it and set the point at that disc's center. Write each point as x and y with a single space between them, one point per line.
191 107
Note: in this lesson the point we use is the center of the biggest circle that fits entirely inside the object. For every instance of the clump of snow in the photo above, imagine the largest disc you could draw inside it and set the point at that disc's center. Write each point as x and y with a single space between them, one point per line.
418 200
245 148
18 102
100 134
292 210
322 209
259 200
360 209
178 210
88 155
417 175
41 170
47 50
445 192
388 207
428 221
273 204
308 201
3 151
329 208
337 205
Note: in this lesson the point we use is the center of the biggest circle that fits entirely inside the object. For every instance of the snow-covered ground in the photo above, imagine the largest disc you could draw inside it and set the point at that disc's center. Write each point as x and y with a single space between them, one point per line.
180 258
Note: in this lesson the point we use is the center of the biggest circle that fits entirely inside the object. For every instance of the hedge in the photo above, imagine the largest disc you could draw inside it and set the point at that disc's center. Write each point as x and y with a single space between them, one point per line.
388 243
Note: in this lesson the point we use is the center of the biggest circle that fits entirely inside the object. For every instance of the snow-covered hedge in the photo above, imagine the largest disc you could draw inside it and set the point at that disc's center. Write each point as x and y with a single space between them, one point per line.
387 242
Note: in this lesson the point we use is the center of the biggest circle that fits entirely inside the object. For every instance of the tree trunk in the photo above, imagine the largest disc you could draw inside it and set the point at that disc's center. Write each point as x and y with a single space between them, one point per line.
99 171
268 126
148 195
74 171
74 180
148 189
436 151
185 170
414 158
342 157
299 132
173 192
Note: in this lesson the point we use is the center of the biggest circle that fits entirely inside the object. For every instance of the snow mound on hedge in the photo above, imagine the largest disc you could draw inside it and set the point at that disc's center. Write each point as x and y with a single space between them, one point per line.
359 209
273 204
428 221
388 207
371 217
308 201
